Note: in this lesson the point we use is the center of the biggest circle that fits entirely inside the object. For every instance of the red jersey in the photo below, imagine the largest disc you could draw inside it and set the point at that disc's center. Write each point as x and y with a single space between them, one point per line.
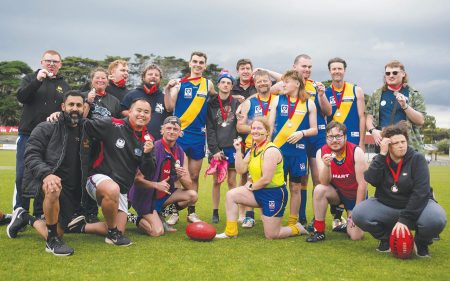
343 176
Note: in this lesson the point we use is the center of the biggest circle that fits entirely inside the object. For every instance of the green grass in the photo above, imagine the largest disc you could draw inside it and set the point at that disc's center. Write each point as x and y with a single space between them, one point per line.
250 257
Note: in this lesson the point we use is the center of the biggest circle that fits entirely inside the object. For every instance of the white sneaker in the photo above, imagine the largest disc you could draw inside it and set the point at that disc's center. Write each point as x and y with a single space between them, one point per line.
173 219
193 217
338 222
248 223
224 236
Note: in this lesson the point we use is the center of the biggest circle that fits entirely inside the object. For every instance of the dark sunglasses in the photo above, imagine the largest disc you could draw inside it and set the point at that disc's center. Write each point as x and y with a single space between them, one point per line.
388 73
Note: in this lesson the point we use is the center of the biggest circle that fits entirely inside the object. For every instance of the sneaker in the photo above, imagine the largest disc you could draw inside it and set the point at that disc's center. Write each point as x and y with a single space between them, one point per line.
76 225
384 247
173 219
437 238
115 237
6 219
421 250
132 218
215 219
222 171
168 228
92 218
316 237
212 168
56 246
168 210
224 236
17 222
340 228
193 217
248 223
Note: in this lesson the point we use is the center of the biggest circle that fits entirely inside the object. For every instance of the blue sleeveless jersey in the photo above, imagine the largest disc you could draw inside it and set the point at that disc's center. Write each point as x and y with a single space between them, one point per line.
254 111
387 103
347 112
299 121
321 121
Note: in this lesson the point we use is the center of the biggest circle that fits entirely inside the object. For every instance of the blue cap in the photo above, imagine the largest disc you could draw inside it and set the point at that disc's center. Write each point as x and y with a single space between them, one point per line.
225 74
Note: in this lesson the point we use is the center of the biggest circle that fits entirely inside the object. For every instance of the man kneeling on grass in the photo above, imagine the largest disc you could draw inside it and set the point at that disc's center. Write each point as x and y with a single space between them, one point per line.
52 162
341 166
150 196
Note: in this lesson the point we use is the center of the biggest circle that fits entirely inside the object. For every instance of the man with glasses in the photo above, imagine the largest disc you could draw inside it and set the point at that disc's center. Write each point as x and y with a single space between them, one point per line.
341 168
393 102
41 94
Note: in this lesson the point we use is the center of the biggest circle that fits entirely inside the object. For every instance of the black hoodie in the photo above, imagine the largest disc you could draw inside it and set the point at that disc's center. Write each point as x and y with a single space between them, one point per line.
413 185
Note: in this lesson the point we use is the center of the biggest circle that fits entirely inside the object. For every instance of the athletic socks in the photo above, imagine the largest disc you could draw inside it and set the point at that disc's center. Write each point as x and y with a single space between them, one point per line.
231 229
319 226
295 229
191 209
51 230
292 220
338 212
29 218
304 195
250 214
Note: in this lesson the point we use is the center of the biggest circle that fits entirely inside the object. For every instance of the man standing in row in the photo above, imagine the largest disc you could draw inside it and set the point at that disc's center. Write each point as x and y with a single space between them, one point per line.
188 98
41 94
118 77
244 86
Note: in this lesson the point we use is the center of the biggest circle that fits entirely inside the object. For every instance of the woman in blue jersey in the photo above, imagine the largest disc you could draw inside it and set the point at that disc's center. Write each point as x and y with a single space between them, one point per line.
265 188
293 119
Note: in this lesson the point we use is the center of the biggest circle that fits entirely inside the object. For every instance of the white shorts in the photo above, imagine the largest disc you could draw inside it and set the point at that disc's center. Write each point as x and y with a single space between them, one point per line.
91 188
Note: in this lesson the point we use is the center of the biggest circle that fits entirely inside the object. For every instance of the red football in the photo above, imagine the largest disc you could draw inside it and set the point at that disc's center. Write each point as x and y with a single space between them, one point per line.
402 247
201 231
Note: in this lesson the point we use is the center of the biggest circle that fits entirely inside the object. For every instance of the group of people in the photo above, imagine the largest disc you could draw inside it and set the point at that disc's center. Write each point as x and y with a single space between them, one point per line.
112 148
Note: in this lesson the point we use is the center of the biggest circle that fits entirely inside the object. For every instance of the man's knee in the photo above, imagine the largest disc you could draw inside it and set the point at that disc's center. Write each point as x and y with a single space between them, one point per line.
110 191
192 196
320 191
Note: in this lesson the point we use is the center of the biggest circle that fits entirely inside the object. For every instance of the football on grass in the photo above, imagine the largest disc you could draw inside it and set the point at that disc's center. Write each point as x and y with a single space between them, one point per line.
402 247
201 231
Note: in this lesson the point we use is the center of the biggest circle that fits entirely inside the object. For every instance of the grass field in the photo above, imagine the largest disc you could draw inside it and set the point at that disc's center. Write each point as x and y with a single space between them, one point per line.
250 257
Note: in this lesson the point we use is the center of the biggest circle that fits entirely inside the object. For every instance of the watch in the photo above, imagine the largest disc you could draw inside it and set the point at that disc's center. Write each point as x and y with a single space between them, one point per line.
250 187
371 130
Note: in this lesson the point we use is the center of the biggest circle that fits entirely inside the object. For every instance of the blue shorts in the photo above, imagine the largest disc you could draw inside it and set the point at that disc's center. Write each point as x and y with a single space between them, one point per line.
315 143
295 167
193 145
159 203
230 153
272 200
349 204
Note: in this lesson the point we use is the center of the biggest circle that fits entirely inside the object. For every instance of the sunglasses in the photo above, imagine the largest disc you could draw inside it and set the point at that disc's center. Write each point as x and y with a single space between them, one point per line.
388 73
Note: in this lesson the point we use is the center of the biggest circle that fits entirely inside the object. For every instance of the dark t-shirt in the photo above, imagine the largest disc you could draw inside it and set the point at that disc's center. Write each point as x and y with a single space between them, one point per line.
70 169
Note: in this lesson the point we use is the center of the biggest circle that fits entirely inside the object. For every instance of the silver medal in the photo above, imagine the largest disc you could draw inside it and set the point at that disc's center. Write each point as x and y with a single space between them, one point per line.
289 124
177 164
394 188
338 113
224 124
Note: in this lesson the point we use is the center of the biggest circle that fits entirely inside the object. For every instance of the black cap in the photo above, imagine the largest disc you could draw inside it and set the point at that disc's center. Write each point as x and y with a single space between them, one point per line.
173 120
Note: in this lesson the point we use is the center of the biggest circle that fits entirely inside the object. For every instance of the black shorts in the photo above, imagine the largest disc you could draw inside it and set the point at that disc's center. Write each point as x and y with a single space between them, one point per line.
69 204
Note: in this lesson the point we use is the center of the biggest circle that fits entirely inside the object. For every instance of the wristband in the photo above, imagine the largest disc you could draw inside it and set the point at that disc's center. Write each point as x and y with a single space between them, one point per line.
406 107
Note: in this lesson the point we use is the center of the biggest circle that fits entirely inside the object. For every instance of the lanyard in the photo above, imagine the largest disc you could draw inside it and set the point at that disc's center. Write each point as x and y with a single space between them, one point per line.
338 102
222 109
265 110
290 114
168 150
395 174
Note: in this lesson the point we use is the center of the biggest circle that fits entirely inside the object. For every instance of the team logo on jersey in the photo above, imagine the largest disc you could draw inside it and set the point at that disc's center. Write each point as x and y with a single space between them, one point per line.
284 109
120 143
201 94
159 108
302 166
188 93
332 101
258 110
138 152
59 89
300 145
348 99
271 205
321 127
299 111
338 176
383 103
354 134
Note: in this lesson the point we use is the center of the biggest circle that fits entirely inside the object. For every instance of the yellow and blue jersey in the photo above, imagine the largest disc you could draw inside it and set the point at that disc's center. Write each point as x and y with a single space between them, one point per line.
347 112
255 167
284 127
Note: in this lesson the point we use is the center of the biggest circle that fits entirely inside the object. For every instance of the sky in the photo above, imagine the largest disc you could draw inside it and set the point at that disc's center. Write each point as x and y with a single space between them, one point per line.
367 34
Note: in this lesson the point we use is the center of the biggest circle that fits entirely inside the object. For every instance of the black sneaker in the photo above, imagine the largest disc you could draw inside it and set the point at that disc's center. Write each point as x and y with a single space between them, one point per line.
6 219
77 225
92 218
132 218
341 228
17 223
384 247
56 246
422 250
215 219
316 237
115 237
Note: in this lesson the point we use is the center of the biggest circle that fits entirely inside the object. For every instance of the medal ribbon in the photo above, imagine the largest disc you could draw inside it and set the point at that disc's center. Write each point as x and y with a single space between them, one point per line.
187 79
100 93
394 88
338 102
151 90
168 150
120 83
223 112
264 110
395 174
290 114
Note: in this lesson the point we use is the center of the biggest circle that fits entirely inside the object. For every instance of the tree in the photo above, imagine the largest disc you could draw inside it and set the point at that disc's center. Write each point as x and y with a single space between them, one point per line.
76 70
430 122
11 72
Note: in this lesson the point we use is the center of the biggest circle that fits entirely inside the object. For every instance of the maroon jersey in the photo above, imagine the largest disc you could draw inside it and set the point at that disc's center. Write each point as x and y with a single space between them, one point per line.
343 175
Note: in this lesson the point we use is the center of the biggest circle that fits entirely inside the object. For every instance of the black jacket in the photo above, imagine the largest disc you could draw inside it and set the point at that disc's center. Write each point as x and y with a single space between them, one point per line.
413 185
116 91
44 153
219 137
39 99
122 151
238 90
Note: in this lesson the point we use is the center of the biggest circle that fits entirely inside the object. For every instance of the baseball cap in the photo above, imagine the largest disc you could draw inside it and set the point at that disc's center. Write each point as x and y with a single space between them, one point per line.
173 120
